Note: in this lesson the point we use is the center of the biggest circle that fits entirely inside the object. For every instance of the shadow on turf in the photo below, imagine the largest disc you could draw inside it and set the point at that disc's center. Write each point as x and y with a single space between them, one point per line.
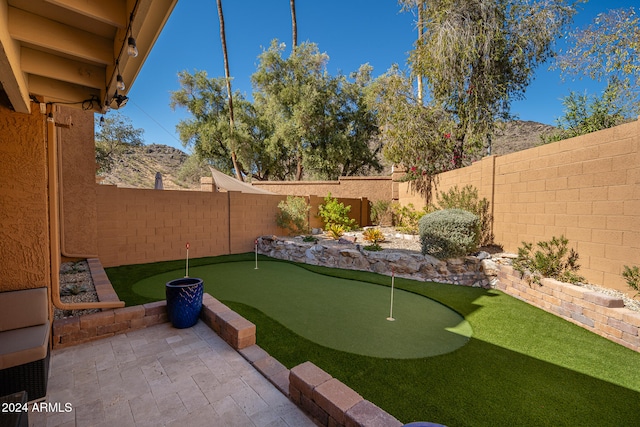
480 384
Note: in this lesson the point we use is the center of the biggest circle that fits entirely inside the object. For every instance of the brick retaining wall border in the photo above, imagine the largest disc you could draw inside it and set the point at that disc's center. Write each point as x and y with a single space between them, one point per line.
599 313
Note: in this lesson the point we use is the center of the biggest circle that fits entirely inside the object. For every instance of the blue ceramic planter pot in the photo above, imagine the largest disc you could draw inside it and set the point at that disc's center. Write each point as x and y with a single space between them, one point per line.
184 301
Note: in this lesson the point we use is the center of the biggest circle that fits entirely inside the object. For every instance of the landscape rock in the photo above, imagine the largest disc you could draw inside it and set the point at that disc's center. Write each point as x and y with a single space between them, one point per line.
467 271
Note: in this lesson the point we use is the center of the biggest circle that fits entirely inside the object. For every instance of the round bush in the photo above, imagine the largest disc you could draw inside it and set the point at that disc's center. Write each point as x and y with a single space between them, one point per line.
449 233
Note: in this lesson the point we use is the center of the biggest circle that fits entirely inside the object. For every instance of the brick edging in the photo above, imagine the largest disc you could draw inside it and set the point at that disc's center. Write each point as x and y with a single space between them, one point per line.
80 329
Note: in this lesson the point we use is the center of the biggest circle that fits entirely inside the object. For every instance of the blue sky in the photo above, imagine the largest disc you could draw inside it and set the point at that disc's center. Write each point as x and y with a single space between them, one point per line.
351 32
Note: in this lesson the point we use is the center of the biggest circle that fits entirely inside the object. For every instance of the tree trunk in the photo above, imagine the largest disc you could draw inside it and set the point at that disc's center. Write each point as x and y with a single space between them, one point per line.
294 40
421 6
223 39
294 25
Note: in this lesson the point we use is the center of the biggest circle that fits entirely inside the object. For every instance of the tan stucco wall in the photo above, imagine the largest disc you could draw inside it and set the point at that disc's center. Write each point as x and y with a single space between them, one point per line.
586 188
139 226
24 235
79 219
373 188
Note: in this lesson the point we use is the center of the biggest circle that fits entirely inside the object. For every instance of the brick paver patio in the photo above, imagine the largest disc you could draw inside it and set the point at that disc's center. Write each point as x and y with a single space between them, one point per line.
161 376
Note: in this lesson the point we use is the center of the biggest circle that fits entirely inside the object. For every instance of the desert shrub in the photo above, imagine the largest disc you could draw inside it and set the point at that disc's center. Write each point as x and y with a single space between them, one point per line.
449 233
374 237
293 215
335 231
467 199
406 217
72 289
554 259
381 212
334 212
632 276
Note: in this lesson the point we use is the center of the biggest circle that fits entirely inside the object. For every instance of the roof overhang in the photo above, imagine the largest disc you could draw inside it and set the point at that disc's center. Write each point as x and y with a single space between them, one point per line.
70 51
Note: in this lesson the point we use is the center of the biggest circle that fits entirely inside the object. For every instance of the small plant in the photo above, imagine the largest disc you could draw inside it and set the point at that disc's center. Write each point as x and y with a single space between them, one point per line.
554 259
334 212
449 233
293 215
406 217
380 212
335 231
310 238
373 247
632 275
374 236
467 199
73 289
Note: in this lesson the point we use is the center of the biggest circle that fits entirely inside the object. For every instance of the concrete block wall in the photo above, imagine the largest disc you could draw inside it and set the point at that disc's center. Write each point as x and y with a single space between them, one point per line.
585 188
249 216
373 187
139 226
599 313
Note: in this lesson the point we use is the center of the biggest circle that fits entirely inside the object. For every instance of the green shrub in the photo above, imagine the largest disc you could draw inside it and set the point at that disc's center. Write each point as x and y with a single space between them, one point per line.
449 233
632 275
335 231
294 215
373 235
467 199
334 212
380 212
554 259
406 217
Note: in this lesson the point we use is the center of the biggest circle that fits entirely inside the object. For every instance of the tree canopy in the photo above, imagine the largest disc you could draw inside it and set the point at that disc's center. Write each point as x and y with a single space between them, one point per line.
480 55
302 123
607 49
112 137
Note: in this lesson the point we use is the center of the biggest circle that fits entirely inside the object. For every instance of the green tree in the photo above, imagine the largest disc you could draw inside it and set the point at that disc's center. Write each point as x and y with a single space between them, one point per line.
113 137
208 130
286 92
479 55
344 139
318 122
585 114
607 49
416 137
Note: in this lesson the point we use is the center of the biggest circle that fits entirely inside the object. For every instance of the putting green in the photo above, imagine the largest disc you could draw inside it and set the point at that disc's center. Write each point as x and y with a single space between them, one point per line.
342 314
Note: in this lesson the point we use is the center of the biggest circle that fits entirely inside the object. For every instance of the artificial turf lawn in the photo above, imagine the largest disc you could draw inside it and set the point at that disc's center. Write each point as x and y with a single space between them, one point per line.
521 367
341 314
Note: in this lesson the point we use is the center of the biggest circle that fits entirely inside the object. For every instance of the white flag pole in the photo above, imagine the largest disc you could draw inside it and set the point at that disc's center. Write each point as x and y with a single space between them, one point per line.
393 274
256 249
187 267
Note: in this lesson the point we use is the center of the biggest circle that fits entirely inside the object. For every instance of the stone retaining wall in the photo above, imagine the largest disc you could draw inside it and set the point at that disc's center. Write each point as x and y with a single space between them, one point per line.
468 271
599 313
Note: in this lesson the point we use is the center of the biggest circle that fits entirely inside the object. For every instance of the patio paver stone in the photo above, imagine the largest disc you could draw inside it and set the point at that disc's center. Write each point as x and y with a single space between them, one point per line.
161 376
